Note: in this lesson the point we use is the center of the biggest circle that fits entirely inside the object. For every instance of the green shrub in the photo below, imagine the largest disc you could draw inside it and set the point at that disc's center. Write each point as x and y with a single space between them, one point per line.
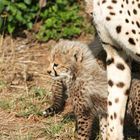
17 14
59 18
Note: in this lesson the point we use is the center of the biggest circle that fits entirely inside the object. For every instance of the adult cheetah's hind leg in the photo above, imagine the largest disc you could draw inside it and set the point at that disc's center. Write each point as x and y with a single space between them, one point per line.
119 79
103 126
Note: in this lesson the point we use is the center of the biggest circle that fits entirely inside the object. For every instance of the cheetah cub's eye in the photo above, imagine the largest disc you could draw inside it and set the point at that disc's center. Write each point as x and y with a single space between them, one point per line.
55 65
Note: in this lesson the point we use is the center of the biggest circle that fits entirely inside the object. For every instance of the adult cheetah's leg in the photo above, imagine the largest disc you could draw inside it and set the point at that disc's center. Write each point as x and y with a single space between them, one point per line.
103 126
119 78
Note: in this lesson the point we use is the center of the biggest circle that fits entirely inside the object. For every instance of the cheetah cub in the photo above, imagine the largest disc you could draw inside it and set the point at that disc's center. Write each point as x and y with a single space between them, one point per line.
76 72
74 69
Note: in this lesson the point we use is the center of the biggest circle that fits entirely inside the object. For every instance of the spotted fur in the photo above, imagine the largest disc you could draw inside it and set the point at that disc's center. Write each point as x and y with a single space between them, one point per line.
118 26
73 63
134 102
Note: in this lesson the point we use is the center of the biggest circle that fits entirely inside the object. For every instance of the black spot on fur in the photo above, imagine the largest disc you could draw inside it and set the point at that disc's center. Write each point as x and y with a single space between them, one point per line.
109 103
109 7
112 13
126 20
120 66
116 100
135 11
131 41
111 117
104 1
109 61
120 85
139 5
108 18
138 24
129 13
110 82
114 1
118 29
133 31
127 92
115 115
127 1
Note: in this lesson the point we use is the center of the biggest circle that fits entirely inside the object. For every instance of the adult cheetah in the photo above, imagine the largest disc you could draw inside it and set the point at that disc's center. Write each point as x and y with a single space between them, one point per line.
118 26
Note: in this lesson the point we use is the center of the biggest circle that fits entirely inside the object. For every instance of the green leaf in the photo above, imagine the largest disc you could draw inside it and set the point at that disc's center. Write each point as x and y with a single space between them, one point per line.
75 30
19 17
13 9
11 28
71 31
30 25
22 6
1 6
28 1
55 8
59 1
49 23
1 21
10 18
5 2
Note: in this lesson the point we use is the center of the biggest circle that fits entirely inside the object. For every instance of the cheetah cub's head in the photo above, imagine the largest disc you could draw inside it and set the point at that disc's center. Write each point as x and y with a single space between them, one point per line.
64 60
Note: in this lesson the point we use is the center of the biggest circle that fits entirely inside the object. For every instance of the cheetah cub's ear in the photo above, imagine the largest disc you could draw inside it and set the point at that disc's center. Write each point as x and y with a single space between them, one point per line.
78 56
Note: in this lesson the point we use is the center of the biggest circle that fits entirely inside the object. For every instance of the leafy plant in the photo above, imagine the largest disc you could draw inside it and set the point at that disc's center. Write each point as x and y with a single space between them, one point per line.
16 14
59 18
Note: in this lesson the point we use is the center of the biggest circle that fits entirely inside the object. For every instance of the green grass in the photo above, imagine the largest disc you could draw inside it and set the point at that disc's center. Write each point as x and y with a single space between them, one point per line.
2 84
5 104
26 104
59 129
30 104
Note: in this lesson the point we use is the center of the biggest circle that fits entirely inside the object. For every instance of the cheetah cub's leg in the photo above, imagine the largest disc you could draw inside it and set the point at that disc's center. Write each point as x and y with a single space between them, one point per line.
84 127
58 92
119 78
84 119
134 102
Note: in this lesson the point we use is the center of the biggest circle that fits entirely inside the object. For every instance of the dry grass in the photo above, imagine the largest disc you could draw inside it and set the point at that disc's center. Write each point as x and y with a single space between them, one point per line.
25 93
